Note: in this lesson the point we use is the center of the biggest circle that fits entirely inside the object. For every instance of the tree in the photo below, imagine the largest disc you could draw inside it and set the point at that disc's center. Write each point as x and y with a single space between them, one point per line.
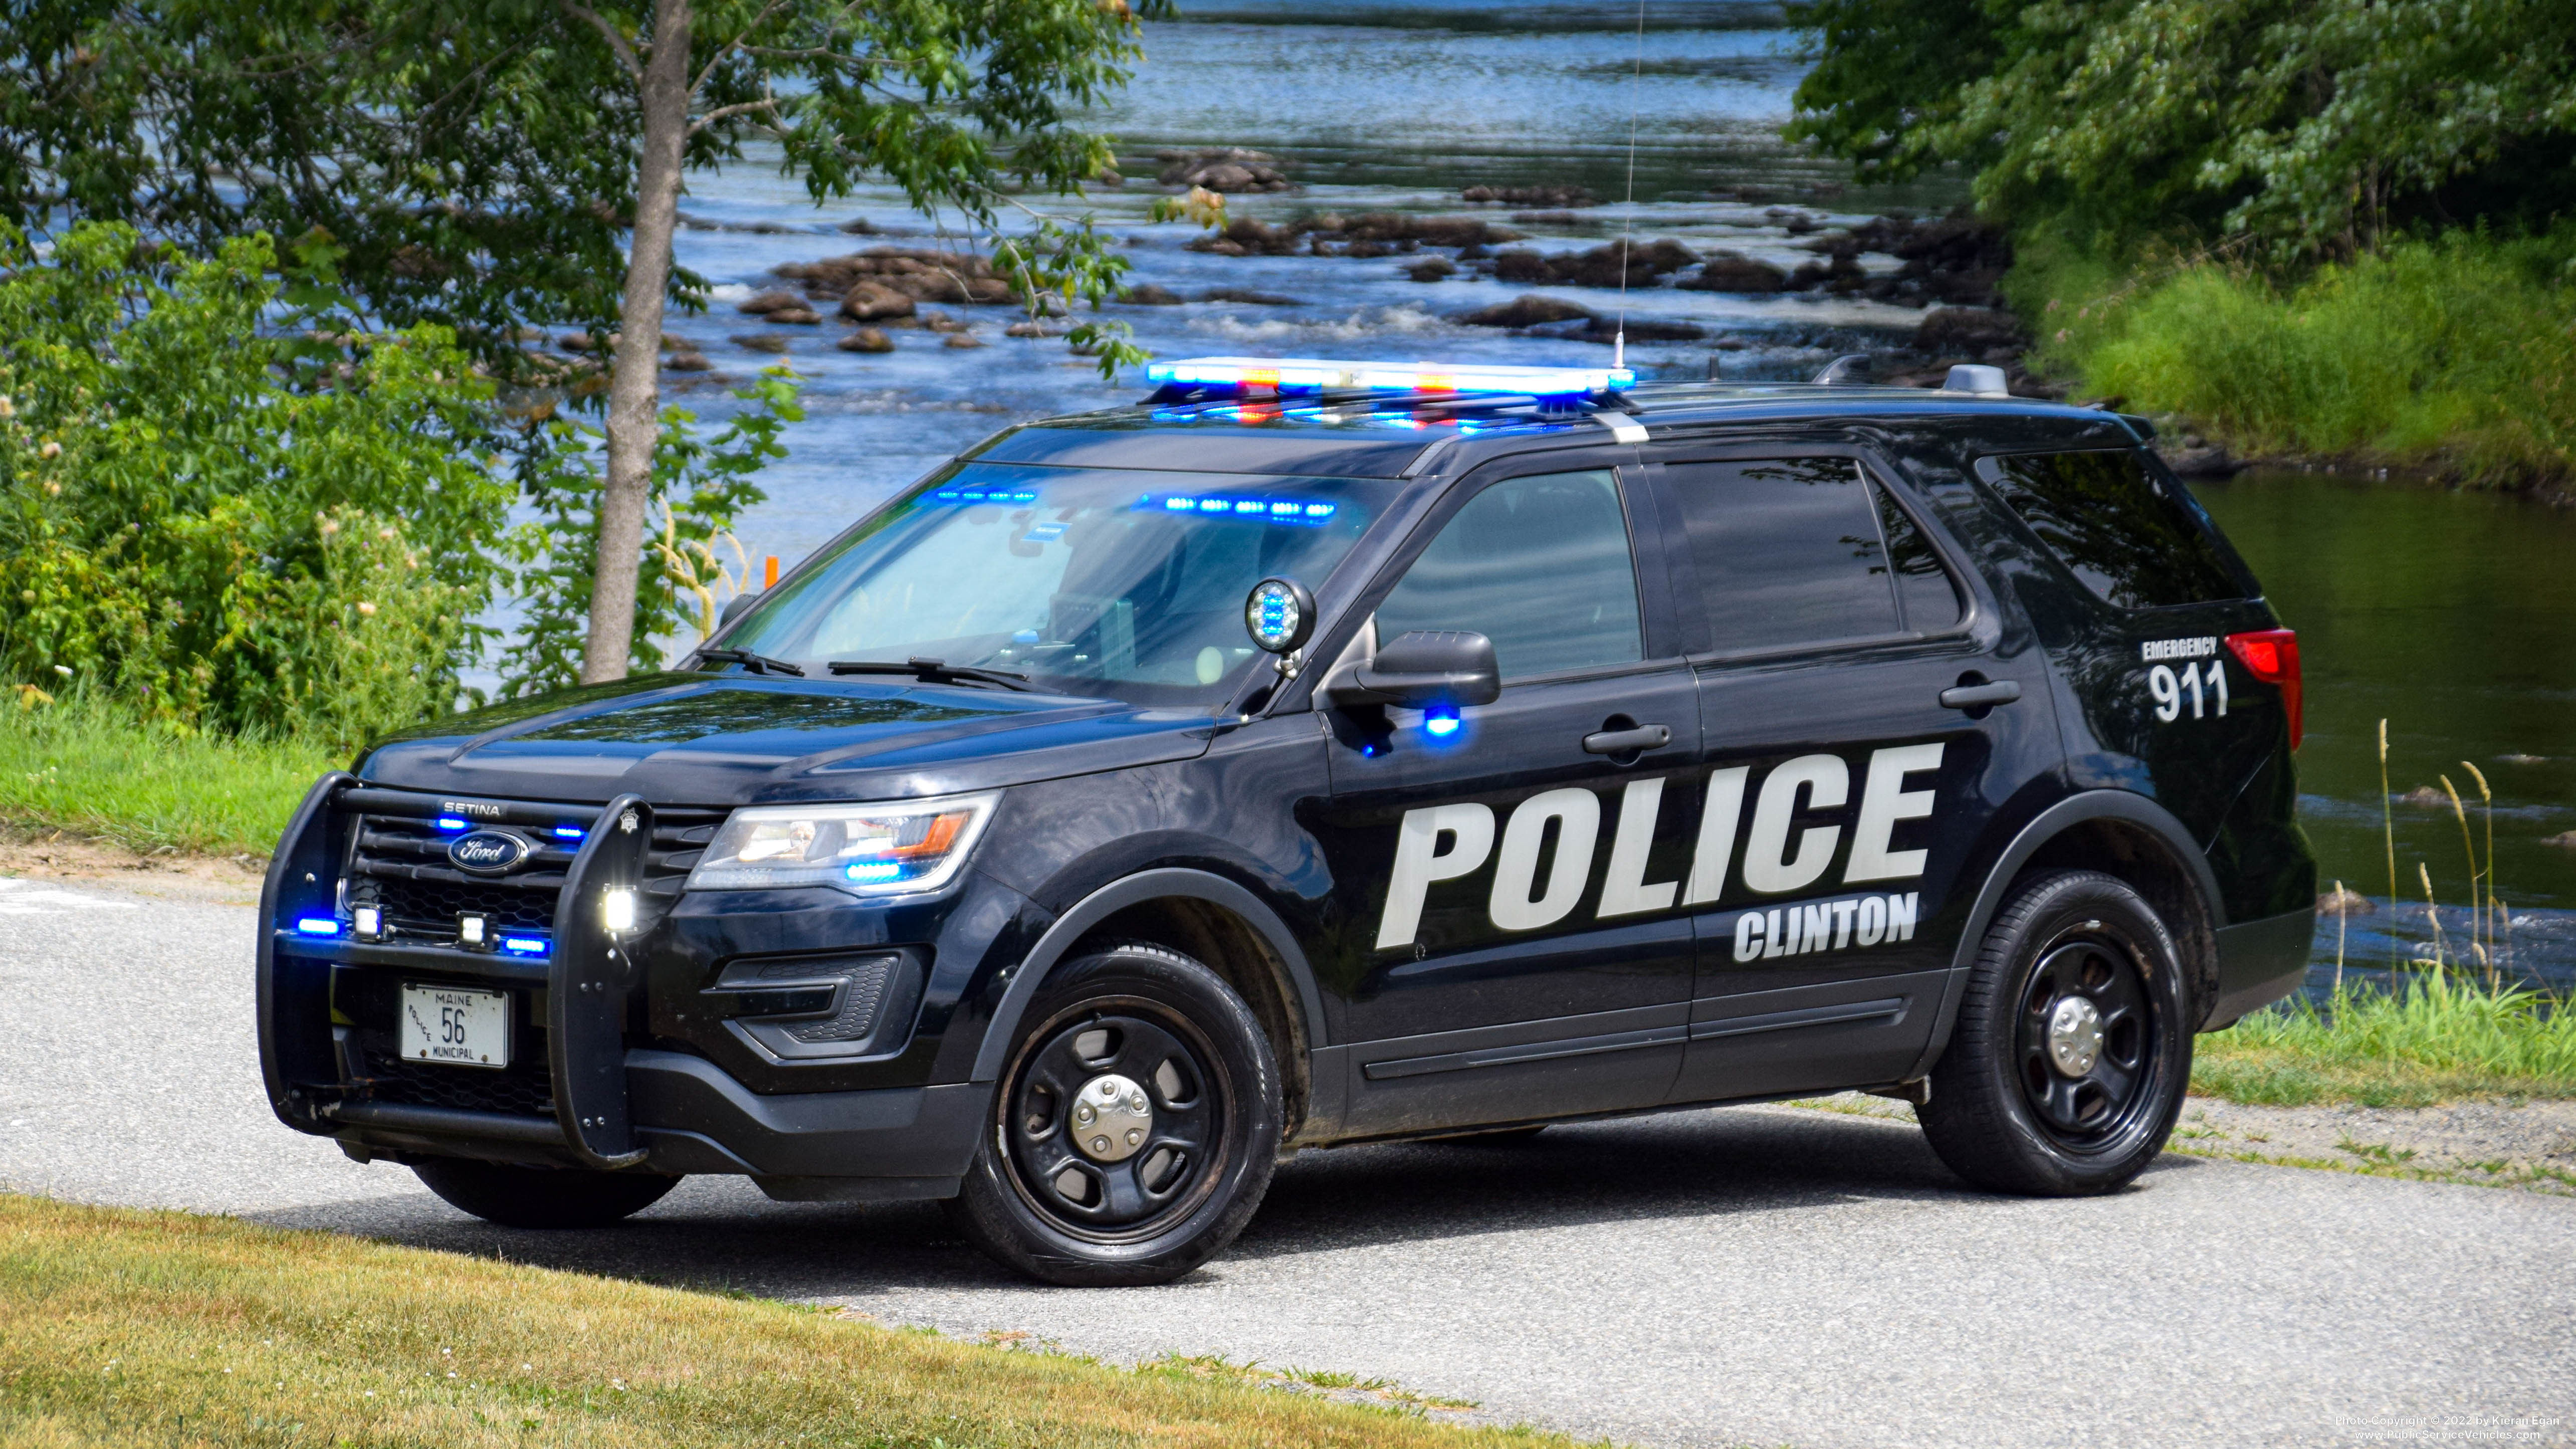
2309 128
478 162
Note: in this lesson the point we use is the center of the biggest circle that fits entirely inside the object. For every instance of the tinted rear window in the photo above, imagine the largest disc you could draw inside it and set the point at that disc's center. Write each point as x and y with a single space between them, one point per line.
1795 551
2132 543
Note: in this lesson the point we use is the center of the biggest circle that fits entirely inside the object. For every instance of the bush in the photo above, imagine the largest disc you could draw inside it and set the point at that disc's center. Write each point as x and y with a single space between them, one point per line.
2457 351
224 502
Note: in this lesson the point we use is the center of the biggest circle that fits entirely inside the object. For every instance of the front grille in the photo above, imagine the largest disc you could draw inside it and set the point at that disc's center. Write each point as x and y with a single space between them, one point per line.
522 1089
680 836
399 863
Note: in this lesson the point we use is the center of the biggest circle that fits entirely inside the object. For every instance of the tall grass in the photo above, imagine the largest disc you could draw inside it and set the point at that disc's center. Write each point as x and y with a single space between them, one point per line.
2458 352
2436 1036
2451 1025
81 765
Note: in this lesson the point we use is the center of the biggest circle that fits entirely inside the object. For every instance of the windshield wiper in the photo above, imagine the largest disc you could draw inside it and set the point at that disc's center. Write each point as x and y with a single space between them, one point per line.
933 671
756 663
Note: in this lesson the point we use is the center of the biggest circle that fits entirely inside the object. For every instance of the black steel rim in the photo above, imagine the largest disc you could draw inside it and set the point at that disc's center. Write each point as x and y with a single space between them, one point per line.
2095 1107
1162 1179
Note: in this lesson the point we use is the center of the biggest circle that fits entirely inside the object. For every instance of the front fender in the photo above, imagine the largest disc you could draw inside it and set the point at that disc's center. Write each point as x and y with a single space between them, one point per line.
1157 884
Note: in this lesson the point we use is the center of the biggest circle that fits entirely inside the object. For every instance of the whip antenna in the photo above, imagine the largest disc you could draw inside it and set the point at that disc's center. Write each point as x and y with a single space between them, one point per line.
1628 225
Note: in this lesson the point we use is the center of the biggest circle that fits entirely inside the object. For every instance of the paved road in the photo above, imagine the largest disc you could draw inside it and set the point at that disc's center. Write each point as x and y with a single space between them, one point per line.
1747 1276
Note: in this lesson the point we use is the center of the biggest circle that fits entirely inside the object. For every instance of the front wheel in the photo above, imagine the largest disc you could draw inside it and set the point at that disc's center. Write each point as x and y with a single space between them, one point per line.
1134 1131
2071 1056
541 1197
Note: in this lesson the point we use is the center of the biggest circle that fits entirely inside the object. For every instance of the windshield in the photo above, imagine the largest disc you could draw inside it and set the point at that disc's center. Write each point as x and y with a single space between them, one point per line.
1087 580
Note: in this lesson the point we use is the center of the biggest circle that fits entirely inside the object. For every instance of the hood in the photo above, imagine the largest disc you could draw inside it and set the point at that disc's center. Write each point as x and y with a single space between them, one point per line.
702 739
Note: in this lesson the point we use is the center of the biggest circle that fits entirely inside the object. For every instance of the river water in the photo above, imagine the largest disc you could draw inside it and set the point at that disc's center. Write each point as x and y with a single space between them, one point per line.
2452 616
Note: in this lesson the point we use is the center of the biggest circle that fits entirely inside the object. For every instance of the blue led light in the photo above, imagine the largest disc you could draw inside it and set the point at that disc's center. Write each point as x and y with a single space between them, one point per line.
318 926
875 870
1440 722
982 495
568 832
524 945
450 822
1274 510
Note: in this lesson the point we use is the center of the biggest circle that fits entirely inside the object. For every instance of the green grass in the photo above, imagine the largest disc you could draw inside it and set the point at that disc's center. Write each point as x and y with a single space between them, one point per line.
2439 1038
2457 353
83 767
134 1328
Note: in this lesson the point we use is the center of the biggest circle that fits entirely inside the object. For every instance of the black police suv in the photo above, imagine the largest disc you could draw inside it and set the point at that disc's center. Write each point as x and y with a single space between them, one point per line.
1318 753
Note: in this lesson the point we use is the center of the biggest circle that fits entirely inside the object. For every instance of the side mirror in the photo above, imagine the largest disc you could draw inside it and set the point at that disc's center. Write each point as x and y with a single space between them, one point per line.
735 608
1421 669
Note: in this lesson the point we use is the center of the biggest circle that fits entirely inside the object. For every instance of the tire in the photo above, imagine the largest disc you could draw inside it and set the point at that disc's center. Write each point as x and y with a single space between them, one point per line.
541 1197
2026 1099
1153 1193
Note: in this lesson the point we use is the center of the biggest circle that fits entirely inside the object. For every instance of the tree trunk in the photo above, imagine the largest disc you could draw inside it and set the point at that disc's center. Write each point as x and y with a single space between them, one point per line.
634 392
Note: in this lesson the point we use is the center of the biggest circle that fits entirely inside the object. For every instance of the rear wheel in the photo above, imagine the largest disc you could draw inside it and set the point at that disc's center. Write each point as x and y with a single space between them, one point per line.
541 1197
1134 1132
2070 1058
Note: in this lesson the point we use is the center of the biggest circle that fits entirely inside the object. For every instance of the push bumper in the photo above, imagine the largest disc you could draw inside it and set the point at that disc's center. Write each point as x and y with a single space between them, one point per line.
612 1107
687 1116
2260 962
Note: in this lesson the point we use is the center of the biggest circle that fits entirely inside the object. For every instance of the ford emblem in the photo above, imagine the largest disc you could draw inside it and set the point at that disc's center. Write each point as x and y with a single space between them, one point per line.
487 852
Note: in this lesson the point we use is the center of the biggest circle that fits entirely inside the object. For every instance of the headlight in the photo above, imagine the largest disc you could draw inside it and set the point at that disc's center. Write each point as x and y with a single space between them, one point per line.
887 849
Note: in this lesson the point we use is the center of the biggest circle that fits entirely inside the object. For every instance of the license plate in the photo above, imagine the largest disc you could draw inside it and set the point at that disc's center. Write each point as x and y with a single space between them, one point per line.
455 1026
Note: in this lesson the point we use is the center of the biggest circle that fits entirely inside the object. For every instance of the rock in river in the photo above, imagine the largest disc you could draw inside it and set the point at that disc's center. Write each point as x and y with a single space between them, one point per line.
874 302
1227 168
1527 311
1734 272
866 339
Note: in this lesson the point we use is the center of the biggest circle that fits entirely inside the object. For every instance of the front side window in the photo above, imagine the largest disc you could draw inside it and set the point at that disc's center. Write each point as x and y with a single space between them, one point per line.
1539 565
1127 583
1807 551
2132 543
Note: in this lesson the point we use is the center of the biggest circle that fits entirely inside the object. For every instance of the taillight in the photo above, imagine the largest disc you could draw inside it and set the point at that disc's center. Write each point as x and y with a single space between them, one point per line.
2272 656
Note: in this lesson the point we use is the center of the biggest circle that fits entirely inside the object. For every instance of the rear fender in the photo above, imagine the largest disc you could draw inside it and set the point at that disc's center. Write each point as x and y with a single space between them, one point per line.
2134 813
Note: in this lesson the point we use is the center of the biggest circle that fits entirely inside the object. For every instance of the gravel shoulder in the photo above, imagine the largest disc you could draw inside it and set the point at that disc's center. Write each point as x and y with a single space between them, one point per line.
2526 1145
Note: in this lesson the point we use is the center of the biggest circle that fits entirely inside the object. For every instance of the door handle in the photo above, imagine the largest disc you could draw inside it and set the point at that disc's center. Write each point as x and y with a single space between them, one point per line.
1978 696
1627 741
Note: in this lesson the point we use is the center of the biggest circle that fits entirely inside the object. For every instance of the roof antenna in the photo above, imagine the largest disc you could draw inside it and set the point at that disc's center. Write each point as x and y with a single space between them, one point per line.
1628 226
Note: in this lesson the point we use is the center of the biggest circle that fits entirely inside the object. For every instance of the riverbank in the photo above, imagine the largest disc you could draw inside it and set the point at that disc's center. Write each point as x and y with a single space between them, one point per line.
120 1327
2452 359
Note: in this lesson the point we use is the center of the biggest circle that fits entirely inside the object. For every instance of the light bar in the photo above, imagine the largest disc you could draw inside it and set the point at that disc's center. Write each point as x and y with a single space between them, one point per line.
524 945
1309 372
318 926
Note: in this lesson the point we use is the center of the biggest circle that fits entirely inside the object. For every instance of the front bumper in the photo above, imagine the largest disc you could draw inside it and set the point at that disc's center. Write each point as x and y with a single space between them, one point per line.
689 1117
607 1079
